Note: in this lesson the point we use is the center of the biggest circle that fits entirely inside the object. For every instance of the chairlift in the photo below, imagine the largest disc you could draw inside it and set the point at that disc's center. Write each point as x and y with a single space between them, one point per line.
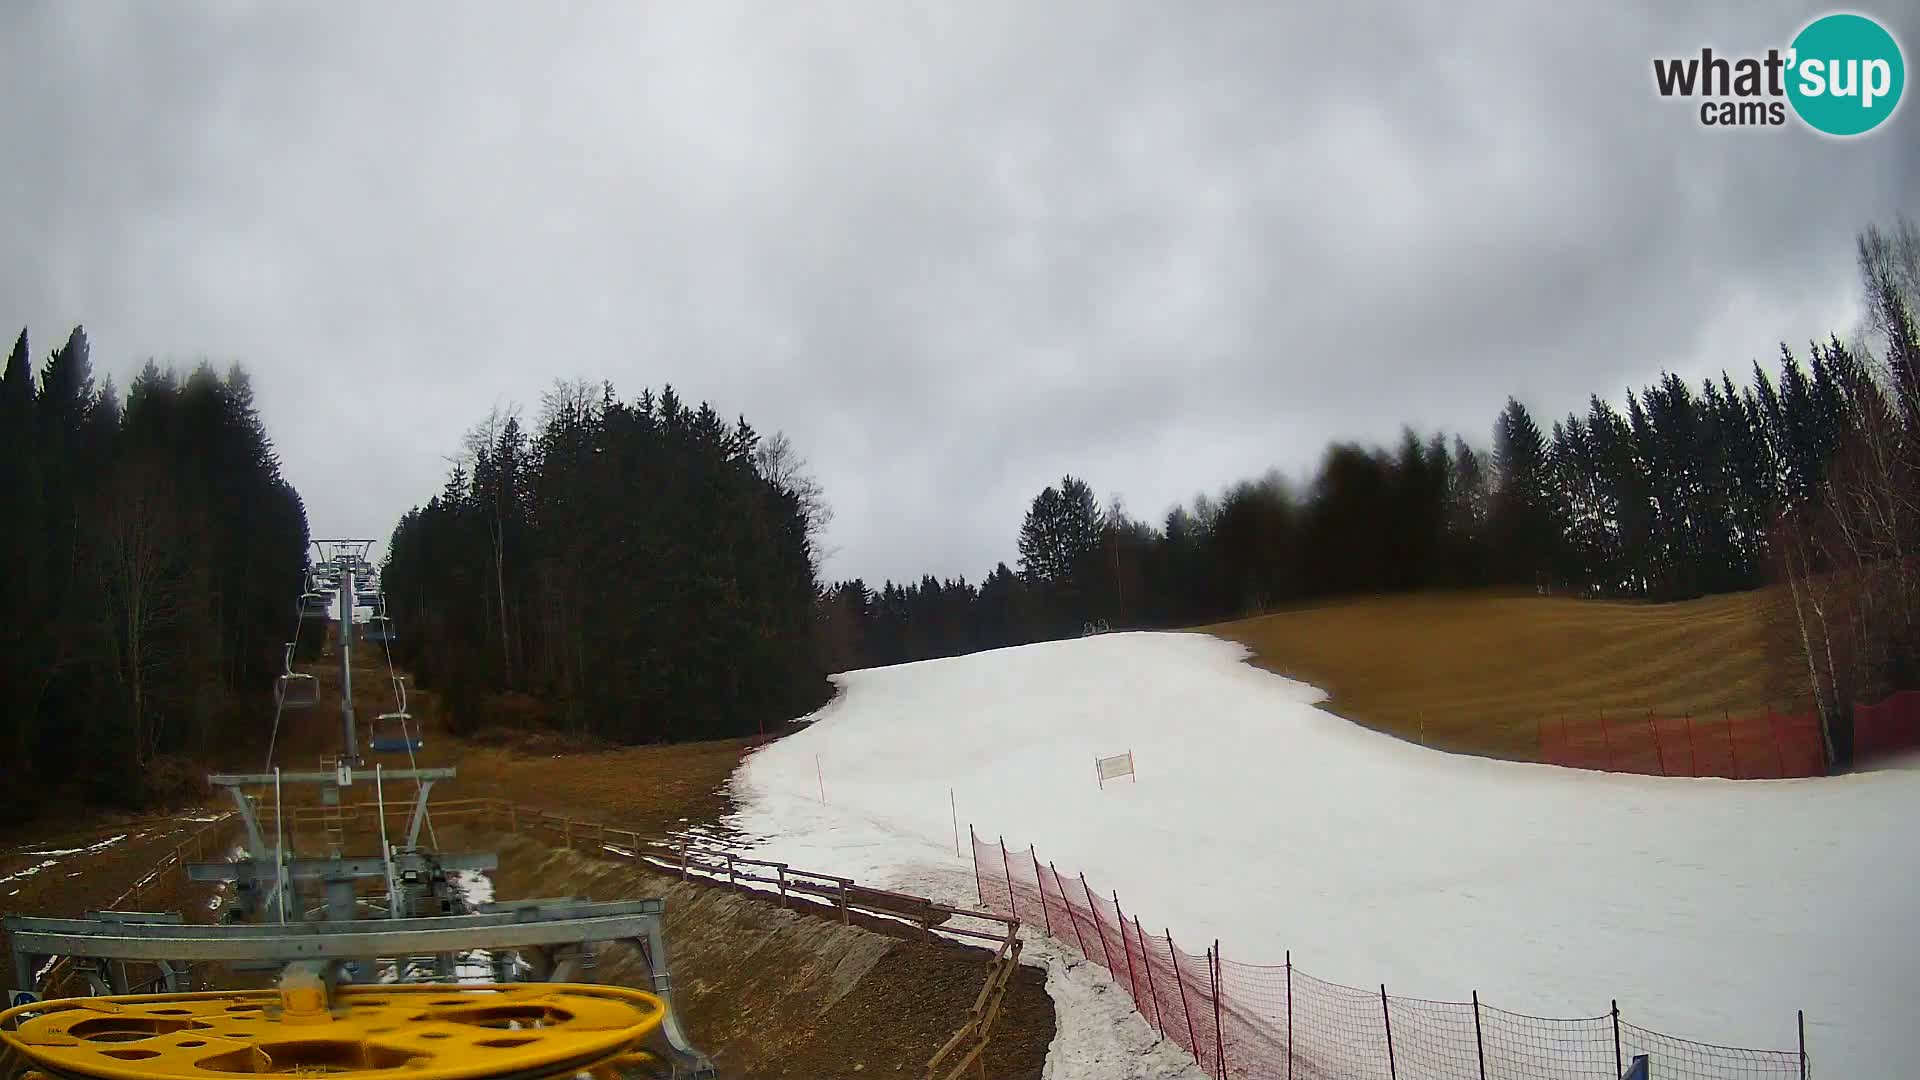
297 690
315 605
403 743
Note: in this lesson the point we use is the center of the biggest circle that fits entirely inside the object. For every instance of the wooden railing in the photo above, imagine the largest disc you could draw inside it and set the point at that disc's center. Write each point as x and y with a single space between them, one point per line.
714 862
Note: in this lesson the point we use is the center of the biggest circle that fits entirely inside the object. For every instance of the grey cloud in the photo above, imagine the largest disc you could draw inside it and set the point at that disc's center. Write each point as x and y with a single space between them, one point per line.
954 250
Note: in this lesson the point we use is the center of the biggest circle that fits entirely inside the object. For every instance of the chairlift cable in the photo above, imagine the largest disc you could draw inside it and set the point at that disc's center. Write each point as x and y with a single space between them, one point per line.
386 649
280 699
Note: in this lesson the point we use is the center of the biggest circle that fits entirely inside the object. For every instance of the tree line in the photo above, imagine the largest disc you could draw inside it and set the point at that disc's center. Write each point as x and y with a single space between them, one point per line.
150 556
1806 475
644 568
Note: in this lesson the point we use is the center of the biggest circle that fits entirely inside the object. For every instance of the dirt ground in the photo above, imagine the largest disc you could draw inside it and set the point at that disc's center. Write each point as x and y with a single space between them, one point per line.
771 992
1478 672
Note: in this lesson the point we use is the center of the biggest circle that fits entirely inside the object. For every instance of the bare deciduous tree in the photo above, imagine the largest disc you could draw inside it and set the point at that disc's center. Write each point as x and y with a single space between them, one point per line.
783 467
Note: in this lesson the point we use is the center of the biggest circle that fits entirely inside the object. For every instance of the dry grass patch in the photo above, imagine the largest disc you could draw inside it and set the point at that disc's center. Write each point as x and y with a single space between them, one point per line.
1477 672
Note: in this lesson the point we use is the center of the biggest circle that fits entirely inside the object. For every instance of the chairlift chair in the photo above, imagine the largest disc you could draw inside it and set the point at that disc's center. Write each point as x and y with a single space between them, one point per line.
405 741
297 690
379 630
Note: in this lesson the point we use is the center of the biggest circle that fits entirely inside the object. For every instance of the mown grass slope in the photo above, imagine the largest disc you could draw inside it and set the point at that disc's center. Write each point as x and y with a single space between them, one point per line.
1477 672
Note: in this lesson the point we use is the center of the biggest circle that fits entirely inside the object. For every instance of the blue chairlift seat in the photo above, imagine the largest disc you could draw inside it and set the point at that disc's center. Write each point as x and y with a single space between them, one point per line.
402 743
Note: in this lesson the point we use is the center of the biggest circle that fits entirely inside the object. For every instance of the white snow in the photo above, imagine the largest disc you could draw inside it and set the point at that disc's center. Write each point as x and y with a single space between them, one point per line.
29 871
476 888
90 848
1712 909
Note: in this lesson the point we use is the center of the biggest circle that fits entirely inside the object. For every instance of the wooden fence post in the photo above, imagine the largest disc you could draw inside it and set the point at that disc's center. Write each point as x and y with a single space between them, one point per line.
1219 1033
1042 887
1289 1014
1152 991
1076 922
1007 869
1479 1044
1386 1018
1097 928
1616 1036
1180 986
1133 982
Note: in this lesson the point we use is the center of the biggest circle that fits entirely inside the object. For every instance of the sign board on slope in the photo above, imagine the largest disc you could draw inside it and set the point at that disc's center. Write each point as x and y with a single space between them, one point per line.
1113 768
1637 1070
17 998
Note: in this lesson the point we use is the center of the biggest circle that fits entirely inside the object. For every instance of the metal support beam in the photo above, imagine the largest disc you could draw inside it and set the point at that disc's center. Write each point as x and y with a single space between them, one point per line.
253 779
256 844
349 741
323 869
419 813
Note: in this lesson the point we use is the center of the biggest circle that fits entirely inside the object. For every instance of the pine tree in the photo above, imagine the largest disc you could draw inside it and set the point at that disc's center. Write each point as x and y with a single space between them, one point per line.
1522 518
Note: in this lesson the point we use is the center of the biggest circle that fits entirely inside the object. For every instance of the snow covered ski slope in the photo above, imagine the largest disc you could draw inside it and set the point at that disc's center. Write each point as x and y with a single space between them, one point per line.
1712 909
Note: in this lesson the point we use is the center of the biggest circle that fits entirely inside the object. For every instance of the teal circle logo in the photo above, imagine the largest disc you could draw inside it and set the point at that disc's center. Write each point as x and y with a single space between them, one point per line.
1845 74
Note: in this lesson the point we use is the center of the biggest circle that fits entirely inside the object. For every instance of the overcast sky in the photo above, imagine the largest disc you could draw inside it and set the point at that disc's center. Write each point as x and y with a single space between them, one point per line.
954 250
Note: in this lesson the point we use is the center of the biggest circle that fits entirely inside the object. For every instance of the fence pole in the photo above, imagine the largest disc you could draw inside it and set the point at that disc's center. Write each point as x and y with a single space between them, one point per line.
1733 750
973 841
1479 1044
1045 917
1180 986
1076 922
1219 1039
954 806
1133 980
1606 740
1387 1019
1289 1014
1693 758
1104 951
1659 752
1803 1044
1617 1067
1152 990
1007 868
1773 728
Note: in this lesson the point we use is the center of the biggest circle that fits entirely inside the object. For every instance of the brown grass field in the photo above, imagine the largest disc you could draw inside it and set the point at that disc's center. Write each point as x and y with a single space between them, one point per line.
1478 672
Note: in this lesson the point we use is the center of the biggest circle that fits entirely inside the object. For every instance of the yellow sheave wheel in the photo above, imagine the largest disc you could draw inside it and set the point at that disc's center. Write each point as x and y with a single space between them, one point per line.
432 1032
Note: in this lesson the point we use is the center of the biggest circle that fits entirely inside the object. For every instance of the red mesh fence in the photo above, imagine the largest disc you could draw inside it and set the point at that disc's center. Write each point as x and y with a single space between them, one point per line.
1254 1022
1891 727
1769 746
